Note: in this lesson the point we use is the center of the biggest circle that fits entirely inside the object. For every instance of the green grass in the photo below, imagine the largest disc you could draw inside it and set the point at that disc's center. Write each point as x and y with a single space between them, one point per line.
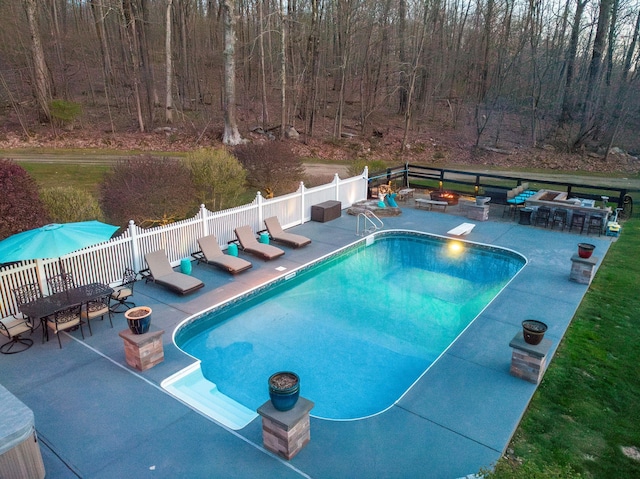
586 408
81 176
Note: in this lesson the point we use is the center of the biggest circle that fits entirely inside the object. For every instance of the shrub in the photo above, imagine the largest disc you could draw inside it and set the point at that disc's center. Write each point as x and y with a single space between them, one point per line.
21 208
271 167
218 177
357 167
67 204
65 111
148 190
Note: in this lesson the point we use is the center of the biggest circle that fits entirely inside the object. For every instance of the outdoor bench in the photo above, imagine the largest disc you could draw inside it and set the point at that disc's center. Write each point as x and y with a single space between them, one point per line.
429 204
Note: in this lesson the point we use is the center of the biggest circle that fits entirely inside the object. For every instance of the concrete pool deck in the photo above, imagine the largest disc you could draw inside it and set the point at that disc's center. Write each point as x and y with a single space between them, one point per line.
98 418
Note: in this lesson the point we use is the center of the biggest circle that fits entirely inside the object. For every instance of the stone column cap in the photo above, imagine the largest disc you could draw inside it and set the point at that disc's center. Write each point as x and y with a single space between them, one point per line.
537 350
286 419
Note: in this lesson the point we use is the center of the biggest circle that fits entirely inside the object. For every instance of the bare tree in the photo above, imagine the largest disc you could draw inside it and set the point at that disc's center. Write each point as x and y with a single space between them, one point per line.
42 78
231 135
168 106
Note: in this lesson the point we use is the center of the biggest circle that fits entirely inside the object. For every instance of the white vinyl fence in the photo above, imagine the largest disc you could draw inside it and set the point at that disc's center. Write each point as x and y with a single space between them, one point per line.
105 262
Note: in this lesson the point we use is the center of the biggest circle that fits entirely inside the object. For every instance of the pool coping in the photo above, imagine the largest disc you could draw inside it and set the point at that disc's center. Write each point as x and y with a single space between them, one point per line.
458 418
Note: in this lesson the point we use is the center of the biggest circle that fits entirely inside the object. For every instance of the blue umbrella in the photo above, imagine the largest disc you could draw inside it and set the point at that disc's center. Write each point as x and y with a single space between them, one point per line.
54 240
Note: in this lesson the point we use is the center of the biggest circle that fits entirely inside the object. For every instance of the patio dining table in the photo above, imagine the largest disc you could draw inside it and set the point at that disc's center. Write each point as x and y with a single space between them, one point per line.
41 308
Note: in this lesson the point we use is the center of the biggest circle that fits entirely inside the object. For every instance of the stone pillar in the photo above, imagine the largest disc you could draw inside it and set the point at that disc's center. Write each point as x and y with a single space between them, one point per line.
143 351
583 269
528 361
285 433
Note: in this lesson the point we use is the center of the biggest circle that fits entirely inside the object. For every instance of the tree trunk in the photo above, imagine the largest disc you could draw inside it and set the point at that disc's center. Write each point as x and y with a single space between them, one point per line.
570 60
168 108
130 30
589 111
231 135
263 77
42 78
283 72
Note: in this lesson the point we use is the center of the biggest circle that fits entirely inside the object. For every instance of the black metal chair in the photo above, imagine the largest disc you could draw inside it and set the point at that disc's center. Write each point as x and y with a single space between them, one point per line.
577 221
559 218
542 216
61 282
123 292
64 319
14 327
595 224
97 308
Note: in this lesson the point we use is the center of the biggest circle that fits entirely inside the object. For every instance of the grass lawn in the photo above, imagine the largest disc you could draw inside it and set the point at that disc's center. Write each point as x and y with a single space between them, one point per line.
583 421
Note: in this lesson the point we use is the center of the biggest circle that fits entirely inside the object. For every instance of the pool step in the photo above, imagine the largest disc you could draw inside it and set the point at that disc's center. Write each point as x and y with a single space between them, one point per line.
192 388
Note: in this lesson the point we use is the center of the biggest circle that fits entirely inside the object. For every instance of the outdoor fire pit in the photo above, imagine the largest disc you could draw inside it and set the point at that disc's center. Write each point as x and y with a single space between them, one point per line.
449 196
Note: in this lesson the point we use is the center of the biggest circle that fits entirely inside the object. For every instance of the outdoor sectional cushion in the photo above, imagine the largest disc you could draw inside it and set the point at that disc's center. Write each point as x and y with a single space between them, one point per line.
163 274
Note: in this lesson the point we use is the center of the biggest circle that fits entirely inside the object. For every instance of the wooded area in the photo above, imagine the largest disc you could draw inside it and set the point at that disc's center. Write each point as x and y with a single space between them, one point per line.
561 72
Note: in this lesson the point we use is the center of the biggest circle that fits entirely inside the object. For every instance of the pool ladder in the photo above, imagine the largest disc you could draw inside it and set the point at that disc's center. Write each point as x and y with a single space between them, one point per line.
368 223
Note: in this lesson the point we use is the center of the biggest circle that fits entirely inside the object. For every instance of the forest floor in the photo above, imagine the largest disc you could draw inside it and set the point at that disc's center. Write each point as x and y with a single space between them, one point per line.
429 144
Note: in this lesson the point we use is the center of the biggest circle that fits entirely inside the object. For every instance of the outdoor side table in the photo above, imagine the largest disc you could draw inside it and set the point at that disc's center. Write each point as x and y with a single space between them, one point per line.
286 432
143 351
20 454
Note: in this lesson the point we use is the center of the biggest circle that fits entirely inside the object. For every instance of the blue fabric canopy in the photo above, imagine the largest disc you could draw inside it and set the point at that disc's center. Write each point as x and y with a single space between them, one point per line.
54 240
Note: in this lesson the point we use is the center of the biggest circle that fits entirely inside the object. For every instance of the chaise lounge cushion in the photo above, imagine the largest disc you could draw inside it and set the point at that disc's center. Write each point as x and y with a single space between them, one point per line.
250 244
279 235
163 274
211 253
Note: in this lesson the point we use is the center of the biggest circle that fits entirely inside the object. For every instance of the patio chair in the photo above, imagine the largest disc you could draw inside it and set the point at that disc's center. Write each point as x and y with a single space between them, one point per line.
280 236
595 224
542 216
13 327
559 218
123 292
163 274
211 253
250 244
61 282
65 319
97 309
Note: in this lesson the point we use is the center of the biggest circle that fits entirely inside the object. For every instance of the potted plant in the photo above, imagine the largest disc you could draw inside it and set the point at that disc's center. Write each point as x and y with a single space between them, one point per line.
284 390
138 319
533 331
585 250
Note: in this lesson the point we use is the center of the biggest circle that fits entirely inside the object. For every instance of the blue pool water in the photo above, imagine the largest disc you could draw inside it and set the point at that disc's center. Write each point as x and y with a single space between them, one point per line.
358 328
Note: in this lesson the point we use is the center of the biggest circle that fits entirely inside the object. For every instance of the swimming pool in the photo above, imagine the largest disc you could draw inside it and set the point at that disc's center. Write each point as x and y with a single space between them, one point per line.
359 327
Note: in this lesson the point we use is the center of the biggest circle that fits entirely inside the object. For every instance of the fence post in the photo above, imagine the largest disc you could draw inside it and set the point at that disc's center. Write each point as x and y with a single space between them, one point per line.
260 201
406 175
135 251
336 179
302 190
203 217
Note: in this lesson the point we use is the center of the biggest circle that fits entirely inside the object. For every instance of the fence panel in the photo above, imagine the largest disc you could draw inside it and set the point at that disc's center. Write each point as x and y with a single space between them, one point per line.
106 262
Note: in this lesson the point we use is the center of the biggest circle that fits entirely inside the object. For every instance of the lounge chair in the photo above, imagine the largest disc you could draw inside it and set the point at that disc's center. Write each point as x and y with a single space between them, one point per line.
250 244
211 253
280 236
162 273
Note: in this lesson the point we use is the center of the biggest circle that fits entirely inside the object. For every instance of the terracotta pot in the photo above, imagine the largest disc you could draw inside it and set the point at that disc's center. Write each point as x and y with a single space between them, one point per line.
585 250
533 331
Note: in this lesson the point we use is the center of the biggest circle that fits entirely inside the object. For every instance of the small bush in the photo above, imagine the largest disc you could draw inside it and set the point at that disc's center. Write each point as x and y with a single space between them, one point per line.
66 204
357 167
148 190
21 208
271 167
218 177
65 111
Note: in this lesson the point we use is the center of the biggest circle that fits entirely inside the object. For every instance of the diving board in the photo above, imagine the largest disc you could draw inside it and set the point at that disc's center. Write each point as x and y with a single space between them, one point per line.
463 229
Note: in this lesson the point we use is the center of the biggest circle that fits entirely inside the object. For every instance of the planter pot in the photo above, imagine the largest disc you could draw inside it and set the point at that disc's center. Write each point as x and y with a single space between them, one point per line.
138 319
284 390
585 250
533 331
